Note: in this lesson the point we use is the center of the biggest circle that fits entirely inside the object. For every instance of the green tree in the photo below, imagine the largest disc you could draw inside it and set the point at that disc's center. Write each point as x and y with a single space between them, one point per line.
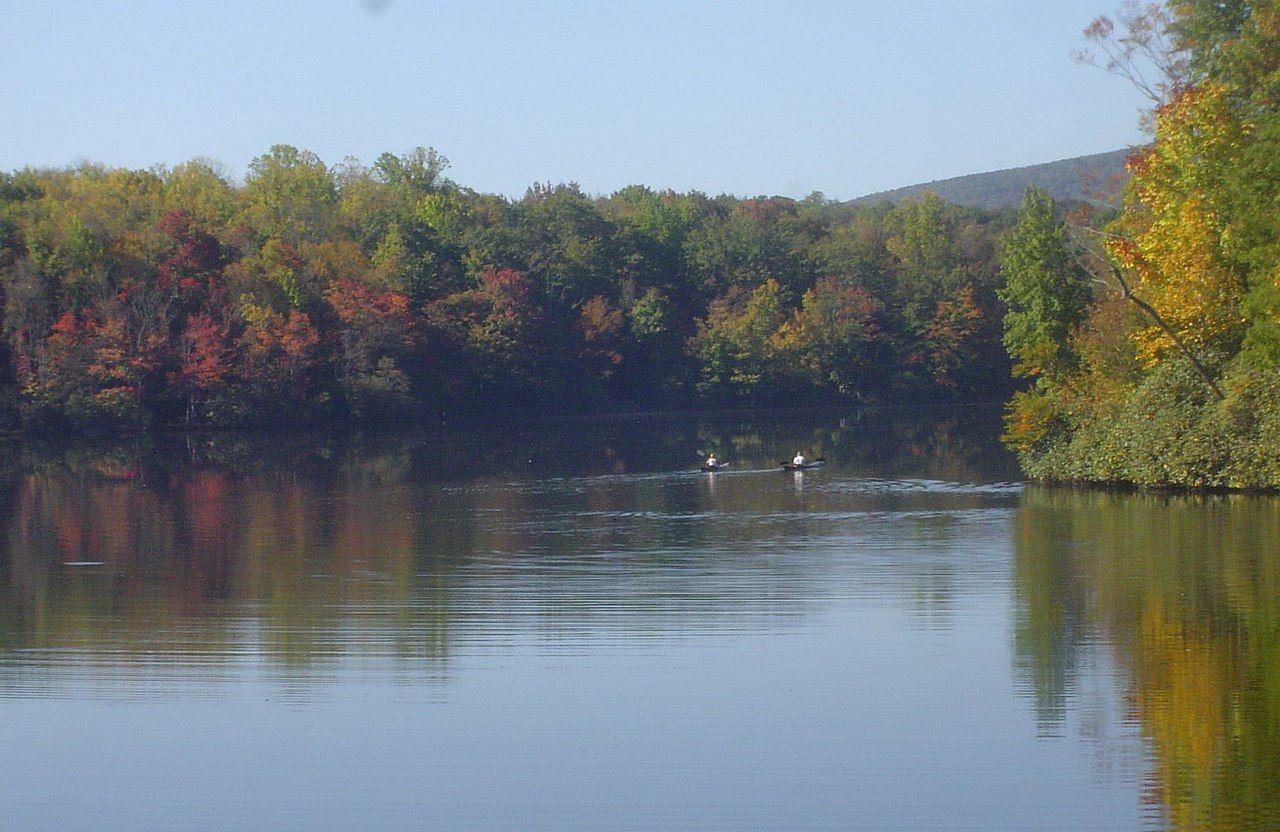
1045 292
420 171
290 194
926 261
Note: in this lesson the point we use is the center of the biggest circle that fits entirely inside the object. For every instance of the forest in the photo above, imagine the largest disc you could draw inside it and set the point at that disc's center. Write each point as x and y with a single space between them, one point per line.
1150 344
314 292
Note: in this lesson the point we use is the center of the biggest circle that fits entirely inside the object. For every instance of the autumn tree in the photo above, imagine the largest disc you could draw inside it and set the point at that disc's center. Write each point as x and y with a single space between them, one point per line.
486 340
376 343
735 342
600 325
834 340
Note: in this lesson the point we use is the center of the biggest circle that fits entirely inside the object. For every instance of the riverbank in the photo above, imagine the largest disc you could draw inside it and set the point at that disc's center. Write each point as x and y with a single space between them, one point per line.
1168 432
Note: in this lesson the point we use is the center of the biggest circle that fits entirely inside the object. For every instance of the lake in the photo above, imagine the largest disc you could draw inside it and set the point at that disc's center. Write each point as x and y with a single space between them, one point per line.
563 625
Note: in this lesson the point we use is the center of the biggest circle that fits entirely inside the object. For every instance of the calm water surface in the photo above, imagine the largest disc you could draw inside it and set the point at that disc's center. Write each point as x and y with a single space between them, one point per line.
562 626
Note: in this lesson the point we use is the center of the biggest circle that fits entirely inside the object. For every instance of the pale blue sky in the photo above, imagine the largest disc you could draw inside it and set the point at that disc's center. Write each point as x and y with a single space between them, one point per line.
742 97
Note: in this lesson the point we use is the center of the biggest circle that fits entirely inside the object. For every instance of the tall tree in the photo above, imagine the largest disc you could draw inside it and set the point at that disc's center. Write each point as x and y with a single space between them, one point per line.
1045 292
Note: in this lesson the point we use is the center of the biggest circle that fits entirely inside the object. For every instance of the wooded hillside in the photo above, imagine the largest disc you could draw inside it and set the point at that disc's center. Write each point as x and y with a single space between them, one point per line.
1092 179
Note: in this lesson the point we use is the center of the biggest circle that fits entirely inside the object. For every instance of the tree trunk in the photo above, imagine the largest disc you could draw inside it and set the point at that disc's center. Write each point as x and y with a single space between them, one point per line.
1151 313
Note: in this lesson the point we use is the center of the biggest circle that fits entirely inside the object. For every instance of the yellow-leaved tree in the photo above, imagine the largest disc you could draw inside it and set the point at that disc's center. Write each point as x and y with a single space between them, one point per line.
1170 238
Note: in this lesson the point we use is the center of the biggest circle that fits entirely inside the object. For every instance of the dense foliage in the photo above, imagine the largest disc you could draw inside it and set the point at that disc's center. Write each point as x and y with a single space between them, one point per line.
314 291
1174 377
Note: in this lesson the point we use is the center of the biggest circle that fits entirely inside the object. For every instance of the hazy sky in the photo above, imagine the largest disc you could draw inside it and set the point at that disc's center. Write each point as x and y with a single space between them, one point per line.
767 97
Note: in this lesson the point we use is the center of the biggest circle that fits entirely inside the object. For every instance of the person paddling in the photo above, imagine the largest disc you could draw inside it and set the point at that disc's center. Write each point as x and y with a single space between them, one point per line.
799 460
712 462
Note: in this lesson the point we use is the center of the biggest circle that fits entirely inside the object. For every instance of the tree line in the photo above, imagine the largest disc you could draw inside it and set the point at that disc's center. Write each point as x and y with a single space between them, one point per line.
314 292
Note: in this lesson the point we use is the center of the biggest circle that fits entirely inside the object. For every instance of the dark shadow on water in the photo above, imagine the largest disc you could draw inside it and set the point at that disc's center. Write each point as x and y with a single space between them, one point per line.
957 443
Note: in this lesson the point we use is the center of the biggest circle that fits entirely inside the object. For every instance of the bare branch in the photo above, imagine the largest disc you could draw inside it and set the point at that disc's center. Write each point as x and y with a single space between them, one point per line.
1140 49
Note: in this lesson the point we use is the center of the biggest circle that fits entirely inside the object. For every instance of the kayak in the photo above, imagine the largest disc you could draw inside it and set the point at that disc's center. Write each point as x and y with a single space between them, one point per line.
711 469
791 466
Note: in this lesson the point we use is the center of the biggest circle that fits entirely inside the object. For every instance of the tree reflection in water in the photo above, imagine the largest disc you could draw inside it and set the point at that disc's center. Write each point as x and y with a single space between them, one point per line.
314 547
1184 592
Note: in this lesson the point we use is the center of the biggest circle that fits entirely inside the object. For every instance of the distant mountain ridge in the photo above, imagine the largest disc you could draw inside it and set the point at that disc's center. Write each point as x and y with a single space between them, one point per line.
1083 178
